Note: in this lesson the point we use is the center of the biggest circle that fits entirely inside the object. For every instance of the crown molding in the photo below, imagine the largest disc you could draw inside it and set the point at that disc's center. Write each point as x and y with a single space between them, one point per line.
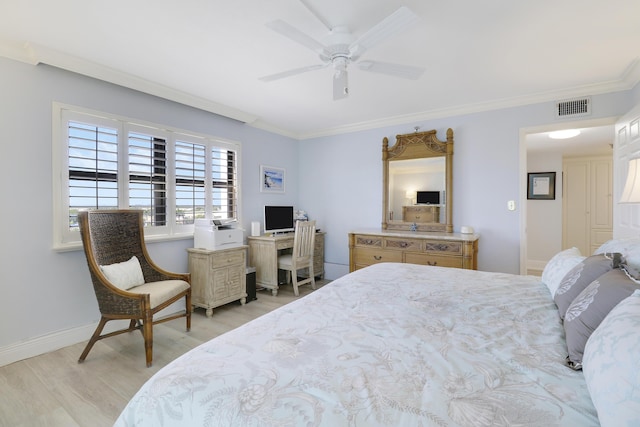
34 55
627 81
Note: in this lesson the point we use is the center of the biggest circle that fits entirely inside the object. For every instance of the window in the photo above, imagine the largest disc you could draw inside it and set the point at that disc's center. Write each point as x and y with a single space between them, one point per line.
107 162
147 183
190 182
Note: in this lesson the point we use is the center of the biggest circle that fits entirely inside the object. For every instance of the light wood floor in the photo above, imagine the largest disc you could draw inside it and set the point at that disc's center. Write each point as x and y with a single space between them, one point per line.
55 390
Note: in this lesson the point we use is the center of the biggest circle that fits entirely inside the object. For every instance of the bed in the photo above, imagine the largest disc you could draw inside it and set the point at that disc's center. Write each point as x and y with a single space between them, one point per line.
388 345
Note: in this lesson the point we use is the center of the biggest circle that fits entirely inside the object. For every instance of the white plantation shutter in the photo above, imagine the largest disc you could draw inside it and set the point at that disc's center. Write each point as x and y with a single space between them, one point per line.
190 181
93 169
147 162
107 162
224 188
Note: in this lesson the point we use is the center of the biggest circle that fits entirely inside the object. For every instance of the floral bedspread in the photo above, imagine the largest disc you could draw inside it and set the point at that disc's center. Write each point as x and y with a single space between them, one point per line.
389 345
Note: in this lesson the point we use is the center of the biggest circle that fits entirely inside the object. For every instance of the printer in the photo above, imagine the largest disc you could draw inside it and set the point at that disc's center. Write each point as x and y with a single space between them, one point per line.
216 234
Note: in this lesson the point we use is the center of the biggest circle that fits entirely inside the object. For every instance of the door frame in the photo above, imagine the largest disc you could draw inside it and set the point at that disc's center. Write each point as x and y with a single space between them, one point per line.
523 132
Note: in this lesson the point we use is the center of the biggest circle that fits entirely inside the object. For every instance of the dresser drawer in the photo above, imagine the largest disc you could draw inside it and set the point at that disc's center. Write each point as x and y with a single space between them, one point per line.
368 241
368 256
402 244
430 259
228 258
443 246
435 249
421 214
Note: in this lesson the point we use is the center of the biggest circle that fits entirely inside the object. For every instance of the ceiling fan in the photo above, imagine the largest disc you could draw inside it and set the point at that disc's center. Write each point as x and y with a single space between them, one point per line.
342 48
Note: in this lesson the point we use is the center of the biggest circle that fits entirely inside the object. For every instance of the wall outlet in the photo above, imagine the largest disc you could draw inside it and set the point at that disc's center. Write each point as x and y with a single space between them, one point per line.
511 205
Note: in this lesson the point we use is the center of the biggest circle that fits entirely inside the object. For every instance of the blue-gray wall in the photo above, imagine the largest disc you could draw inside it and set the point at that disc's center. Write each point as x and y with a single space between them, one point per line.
336 179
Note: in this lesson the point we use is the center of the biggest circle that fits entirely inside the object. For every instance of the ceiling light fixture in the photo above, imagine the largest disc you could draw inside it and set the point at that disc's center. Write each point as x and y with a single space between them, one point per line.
564 134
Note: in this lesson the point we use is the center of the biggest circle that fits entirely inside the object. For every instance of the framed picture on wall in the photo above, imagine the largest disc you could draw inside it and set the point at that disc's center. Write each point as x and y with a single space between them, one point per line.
271 179
542 186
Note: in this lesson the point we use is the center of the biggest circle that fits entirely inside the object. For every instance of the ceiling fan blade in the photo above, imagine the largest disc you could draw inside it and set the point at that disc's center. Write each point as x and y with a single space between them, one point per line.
393 24
293 72
340 85
298 36
397 70
315 13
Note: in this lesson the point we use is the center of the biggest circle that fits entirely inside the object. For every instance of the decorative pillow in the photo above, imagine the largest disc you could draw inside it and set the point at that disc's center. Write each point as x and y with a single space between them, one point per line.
610 365
580 276
124 275
558 267
589 309
629 248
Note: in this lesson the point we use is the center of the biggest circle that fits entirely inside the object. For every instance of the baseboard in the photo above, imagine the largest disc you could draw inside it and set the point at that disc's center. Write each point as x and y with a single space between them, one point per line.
536 265
57 340
45 344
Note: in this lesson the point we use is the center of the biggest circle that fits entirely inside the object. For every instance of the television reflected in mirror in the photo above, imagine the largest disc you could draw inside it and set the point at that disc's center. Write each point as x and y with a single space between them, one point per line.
427 197
278 219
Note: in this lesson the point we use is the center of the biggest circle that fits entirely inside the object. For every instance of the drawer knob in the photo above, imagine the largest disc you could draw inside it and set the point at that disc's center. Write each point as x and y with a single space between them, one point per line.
432 263
377 257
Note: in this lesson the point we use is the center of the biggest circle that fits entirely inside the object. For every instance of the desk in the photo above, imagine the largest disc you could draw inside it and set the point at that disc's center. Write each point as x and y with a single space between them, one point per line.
263 255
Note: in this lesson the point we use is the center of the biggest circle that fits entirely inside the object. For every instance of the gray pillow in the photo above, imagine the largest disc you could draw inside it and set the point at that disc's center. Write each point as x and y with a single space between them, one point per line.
590 308
580 276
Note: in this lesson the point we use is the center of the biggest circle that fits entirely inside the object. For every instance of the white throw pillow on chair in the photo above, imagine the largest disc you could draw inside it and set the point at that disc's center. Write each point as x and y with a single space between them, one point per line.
124 275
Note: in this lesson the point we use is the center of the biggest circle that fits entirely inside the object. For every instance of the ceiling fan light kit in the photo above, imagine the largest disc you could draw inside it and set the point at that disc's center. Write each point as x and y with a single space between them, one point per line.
341 48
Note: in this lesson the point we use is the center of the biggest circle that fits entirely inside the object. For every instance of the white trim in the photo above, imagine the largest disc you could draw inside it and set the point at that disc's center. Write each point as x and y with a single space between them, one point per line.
537 265
57 340
524 262
34 54
65 240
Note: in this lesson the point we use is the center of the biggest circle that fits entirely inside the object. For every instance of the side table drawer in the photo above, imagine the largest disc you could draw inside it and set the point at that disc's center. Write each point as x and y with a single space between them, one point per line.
228 258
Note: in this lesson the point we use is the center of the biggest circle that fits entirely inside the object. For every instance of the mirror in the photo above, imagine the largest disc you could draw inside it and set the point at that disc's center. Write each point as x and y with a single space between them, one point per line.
417 182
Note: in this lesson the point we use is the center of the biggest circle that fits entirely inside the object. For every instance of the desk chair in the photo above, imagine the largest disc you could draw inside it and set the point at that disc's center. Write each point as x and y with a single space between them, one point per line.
127 284
301 256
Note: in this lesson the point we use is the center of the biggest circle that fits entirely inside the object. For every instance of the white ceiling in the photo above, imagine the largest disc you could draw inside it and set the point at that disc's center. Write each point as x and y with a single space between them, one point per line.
592 141
210 53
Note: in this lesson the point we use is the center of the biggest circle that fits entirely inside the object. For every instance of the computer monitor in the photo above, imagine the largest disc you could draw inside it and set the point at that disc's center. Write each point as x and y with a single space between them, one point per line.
278 219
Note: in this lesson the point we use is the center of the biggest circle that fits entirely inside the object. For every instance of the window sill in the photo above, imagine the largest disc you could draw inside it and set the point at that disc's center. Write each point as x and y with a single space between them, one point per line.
77 246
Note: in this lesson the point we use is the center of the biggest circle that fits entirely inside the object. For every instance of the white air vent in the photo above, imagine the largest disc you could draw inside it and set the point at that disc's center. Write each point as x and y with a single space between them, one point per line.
573 107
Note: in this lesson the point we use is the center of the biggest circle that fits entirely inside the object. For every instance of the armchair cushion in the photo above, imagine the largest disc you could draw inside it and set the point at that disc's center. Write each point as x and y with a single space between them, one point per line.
161 291
124 275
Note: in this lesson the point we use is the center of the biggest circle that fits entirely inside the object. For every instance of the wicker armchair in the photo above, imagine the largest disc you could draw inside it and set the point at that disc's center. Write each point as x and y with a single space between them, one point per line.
114 236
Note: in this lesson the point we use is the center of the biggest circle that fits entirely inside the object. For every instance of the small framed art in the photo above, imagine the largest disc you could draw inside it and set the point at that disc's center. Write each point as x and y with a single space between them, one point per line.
271 179
542 186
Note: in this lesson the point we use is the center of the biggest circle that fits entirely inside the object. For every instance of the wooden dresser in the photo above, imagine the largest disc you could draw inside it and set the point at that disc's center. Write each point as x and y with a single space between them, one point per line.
421 214
441 249
217 277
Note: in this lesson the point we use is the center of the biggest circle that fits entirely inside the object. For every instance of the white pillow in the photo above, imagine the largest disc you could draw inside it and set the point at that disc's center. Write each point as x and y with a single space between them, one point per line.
629 247
610 365
124 275
559 266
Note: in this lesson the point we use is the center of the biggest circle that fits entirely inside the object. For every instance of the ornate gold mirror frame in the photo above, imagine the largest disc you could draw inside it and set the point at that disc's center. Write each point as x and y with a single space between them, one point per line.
418 145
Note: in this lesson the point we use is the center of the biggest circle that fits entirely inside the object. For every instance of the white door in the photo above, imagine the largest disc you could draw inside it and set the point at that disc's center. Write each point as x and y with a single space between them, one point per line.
587 203
575 209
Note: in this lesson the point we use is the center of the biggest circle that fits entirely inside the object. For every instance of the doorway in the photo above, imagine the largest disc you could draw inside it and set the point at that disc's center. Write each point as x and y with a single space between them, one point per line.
541 229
